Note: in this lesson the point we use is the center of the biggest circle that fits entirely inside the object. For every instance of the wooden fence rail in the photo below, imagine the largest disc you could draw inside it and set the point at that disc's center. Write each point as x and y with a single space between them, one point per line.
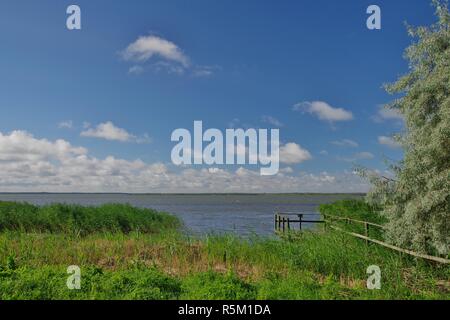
283 222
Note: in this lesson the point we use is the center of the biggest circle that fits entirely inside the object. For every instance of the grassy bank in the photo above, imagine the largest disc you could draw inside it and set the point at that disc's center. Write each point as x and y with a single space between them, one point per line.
165 264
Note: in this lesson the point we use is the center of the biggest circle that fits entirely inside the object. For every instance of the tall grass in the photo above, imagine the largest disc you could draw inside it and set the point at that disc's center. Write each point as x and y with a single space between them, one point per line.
82 220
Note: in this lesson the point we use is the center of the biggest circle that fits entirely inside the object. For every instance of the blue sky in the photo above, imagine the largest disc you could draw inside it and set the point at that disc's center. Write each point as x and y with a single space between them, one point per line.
246 64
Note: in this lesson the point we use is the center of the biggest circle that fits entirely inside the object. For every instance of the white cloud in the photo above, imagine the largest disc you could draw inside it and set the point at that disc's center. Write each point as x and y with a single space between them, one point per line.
389 142
146 47
65 124
204 71
20 146
29 164
292 153
162 56
273 121
387 114
345 143
286 170
136 70
111 132
168 67
324 111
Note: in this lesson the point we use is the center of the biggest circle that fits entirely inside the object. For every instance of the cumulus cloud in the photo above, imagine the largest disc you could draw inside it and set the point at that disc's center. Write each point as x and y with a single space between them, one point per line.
111 132
29 164
389 142
324 111
162 55
20 147
345 143
146 47
292 153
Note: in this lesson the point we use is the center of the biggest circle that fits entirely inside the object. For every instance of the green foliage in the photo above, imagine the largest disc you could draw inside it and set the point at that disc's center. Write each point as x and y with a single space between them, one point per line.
417 202
49 283
304 286
80 220
216 286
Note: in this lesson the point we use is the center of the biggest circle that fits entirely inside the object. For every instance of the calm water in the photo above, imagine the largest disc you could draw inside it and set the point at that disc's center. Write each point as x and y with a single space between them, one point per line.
241 214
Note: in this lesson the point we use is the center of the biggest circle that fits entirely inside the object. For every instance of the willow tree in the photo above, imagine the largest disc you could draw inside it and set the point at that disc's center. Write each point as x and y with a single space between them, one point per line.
417 201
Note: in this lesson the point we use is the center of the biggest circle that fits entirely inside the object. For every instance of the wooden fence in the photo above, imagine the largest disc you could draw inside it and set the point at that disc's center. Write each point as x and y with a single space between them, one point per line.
285 222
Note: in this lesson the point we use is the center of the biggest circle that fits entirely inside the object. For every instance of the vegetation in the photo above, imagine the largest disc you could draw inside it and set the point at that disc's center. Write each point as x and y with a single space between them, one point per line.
355 209
124 263
358 210
79 220
417 201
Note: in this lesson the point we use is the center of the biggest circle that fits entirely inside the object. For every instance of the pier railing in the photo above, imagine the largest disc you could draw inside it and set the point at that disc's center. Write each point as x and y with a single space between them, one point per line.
287 221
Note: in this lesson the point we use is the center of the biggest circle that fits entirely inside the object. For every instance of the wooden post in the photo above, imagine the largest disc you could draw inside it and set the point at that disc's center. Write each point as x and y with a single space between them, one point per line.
276 222
366 231
289 224
300 217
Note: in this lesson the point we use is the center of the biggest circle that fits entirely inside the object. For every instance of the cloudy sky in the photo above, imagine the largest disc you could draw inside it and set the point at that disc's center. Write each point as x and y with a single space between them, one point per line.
93 110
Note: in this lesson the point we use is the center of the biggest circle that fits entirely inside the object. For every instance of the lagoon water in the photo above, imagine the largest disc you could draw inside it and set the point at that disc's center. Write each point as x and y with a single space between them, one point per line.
242 214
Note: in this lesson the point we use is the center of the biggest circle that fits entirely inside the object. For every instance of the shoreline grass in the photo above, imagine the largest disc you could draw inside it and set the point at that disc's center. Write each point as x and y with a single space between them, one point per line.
167 264
83 220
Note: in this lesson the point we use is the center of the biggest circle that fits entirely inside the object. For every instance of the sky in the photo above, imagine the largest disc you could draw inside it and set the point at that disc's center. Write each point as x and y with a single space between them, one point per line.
92 110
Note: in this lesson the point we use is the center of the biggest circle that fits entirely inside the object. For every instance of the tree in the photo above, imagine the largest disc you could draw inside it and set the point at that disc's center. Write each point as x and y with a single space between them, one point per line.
417 201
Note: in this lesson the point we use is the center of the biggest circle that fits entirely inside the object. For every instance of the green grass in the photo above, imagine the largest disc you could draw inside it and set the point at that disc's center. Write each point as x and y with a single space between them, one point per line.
170 265
358 210
80 220
355 209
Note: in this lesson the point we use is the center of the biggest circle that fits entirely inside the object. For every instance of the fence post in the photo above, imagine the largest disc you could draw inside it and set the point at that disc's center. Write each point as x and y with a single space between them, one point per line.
289 224
275 223
300 218
366 232
284 221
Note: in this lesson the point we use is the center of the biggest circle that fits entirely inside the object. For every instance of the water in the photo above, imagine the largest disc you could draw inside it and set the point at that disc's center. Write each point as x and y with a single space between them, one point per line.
237 213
